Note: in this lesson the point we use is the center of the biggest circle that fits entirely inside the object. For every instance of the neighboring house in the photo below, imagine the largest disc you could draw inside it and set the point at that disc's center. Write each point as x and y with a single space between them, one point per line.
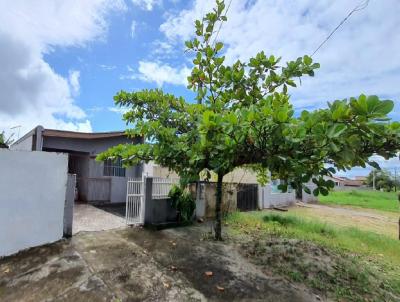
153 170
342 182
361 179
96 181
339 182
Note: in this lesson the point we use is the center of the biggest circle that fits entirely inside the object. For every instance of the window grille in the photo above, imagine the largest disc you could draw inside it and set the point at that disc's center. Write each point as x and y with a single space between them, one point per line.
114 168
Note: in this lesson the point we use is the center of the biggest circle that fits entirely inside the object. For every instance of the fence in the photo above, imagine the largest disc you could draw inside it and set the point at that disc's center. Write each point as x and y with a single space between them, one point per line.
134 201
162 186
271 198
147 200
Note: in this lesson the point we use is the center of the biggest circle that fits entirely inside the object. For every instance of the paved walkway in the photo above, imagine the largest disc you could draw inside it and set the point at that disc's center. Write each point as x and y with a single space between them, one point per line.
88 218
134 264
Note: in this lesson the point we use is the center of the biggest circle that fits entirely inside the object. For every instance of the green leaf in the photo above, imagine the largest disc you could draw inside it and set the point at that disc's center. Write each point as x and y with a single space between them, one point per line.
189 44
219 46
282 116
374 164
336 130
384 107
307 60
307 190
324 191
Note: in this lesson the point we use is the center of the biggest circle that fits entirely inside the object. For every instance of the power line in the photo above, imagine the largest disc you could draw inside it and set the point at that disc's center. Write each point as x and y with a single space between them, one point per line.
356 9
220 25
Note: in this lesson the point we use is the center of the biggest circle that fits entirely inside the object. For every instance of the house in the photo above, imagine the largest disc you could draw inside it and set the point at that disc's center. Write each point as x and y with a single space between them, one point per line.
96 181
341 182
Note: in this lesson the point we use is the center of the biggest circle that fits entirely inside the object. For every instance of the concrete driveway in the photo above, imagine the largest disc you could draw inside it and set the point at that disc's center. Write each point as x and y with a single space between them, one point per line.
134 264
88 218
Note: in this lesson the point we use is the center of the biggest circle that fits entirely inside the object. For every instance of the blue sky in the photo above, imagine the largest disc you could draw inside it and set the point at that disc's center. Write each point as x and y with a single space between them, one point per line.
106 66
62 62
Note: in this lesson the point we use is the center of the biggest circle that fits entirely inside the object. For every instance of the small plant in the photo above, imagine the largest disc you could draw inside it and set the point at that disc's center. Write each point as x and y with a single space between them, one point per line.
5 142
183 202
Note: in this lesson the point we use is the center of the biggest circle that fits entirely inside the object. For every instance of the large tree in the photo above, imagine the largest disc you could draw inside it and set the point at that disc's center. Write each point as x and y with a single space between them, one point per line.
243 117
382 180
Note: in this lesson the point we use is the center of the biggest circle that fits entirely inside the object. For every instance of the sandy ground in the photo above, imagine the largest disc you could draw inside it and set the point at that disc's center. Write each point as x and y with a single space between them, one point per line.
88 218
380 222
134 264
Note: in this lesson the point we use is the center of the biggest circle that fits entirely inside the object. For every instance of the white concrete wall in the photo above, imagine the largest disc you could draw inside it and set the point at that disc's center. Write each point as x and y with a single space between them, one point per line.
32 197
270 199
23 145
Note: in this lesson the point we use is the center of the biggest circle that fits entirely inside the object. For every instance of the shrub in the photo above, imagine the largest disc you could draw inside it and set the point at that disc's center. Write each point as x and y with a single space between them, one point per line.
183 202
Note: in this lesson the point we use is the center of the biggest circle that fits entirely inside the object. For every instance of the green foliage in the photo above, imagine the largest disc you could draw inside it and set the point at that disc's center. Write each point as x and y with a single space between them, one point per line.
383 180
5 142
243 117
183 202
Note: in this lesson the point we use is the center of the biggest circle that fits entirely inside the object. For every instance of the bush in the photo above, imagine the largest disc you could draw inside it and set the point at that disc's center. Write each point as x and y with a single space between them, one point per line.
183 202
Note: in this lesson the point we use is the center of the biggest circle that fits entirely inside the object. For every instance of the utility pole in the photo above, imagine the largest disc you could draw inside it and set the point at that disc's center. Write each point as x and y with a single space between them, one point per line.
373 179
395 179
398 197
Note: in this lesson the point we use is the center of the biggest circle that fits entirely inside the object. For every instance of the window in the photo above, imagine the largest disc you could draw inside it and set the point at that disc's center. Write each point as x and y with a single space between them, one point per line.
114 168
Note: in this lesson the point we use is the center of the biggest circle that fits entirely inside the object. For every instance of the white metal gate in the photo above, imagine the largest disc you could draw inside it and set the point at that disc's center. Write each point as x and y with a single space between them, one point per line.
135 201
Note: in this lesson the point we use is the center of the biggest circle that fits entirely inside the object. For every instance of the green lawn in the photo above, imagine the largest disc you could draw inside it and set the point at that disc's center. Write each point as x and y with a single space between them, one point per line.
384 201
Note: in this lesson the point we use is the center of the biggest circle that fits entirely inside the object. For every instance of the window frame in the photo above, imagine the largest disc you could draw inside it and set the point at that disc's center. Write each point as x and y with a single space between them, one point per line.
114 168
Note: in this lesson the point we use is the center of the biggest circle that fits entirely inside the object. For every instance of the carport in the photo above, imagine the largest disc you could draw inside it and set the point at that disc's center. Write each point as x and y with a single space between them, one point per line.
88 218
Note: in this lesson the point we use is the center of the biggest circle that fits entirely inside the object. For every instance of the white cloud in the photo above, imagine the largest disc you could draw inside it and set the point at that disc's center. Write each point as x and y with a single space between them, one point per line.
107 67
74 81
119 110
164 49
131 75
147 4
361 57
133 28
391 165
162 73
31 91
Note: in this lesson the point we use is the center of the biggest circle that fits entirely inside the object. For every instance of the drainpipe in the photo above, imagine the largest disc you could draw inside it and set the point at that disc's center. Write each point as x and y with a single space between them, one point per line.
39 138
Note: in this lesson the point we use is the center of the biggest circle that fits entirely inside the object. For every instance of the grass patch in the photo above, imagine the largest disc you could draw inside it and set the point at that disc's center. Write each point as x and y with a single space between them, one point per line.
351 265
384 201
347 238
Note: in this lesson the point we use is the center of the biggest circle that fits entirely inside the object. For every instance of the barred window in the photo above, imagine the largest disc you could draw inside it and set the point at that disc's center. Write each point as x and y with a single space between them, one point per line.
114 168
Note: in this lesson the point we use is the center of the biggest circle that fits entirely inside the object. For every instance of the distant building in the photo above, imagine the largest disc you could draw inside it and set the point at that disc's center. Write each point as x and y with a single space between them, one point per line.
343 181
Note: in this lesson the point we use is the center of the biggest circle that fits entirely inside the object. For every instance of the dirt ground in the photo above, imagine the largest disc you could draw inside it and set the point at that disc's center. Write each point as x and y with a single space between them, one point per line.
380 222
136 264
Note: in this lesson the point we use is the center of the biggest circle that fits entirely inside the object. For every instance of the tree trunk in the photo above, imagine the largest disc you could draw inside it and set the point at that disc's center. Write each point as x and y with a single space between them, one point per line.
299 192
218 202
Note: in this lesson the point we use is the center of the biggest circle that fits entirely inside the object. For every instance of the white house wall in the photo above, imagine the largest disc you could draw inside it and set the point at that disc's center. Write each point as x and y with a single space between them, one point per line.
33 190
23 145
